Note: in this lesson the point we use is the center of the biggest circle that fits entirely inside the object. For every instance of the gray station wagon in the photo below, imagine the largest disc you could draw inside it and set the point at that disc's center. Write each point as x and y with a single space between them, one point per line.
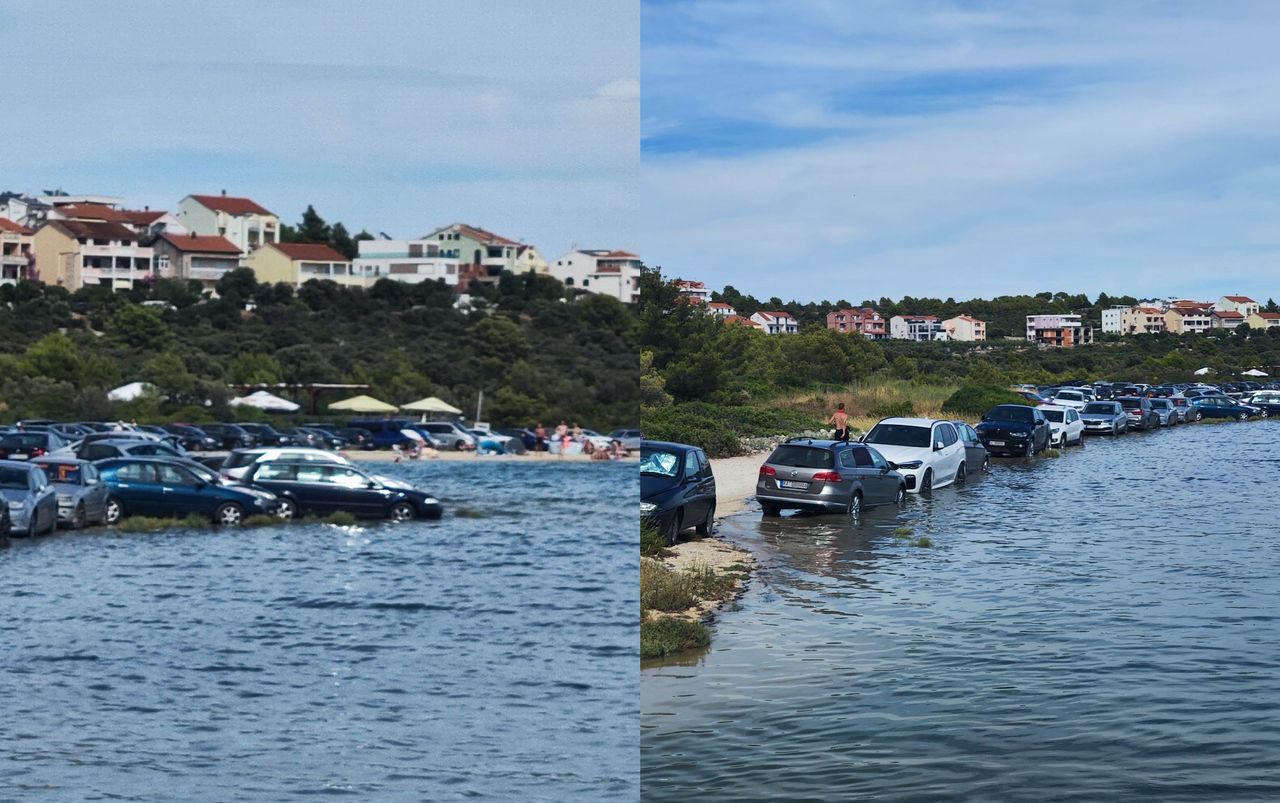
827 476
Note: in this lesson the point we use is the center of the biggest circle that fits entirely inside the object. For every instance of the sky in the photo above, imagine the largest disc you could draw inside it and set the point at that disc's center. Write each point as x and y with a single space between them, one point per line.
818 149
397 116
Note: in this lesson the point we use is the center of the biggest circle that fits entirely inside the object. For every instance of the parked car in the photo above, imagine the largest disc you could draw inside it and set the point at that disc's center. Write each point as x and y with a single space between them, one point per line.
526 436
1070 397
1165 410
827 476
231 436
322 488
267 435
351 437
385 432
1032 396
81 493
976 457
321 438
928 453
237 463
629 438
192 438
104 449
32 502
148 486
1222 407
1065 426
1138 409
447 435
1104 418
28 444
677 489
1268 401
1015 430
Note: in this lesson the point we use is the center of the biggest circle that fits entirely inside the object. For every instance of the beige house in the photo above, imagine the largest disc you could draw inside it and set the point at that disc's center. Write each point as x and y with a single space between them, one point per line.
75 253
195 257
528 260
1225 319
297 263
1263 320
965 327
1142 320
15 252
1181 320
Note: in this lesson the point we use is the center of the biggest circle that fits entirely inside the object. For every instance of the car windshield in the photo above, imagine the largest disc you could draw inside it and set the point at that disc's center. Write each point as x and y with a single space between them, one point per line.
1100 407
1010 412
1070 395
68 473
801 457
13 478
899 435
1053 415
659 463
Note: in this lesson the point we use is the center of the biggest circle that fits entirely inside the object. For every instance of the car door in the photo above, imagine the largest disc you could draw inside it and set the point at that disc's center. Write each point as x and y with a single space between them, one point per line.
350 491
952 453
138 488
885 474
1071 426
312 489
875 486
183 494
95 497
695 501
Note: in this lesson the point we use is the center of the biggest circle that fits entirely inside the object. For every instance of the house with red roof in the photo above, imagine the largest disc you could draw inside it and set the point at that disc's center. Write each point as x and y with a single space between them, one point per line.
482 255
16 256
863 319
965 328
203 258
298 263
76 253
1242 304
608 271
1225 319
776 323
1263 320
722 309
738 320
243 221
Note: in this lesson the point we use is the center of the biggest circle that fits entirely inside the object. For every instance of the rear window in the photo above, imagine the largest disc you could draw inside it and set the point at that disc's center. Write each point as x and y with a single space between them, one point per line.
1160 404
14 478
62 472
23 440
1130 404
801 457
1071 395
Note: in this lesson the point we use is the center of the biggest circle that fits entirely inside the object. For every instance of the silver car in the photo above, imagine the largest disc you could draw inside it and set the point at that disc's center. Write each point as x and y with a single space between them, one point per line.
82 495
630 438
1169 414
827 476
33 504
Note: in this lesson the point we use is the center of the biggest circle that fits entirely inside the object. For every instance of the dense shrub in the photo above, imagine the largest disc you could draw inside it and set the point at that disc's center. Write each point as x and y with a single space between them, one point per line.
665 635
974 400
717 428
899 409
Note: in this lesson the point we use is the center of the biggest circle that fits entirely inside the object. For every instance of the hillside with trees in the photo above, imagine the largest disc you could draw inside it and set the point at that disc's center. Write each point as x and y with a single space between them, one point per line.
537 354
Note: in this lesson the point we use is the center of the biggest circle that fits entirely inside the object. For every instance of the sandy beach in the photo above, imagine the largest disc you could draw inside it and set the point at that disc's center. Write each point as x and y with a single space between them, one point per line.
735 482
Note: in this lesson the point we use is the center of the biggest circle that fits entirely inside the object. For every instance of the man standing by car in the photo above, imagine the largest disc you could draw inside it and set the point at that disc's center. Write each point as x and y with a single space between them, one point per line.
840 420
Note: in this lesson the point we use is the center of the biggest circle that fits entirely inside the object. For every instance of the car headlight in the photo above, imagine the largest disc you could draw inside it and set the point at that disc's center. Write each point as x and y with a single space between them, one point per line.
430 500
647 507
912 464
1017 434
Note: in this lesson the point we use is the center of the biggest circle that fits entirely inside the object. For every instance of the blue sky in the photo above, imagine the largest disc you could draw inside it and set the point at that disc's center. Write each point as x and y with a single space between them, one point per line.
824 149
395 116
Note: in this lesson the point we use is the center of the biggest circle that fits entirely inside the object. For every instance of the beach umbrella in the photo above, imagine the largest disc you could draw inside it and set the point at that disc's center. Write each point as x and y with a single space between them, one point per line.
363 404
431 404
1202 372
1255 372
128 392
264 401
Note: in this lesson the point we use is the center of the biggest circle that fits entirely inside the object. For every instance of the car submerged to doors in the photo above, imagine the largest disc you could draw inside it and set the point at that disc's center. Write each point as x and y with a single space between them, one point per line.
828 477
1138 409
1104 418
1065 426
1014 430
32 502
677 489
312 488
81 493
926 452
140 486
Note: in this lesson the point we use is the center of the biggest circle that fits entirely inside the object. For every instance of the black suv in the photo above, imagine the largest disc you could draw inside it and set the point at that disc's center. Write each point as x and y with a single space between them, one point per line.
1014 430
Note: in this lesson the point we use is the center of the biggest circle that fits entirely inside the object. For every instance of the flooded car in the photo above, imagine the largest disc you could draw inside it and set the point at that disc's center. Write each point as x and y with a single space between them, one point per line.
828 477
82 495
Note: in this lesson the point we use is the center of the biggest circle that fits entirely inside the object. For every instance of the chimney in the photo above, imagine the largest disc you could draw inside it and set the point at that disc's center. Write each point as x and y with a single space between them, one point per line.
146 209
224 193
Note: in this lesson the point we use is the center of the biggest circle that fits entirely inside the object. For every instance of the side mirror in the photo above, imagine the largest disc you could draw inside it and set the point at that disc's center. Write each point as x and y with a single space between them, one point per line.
372 485
199 486
937 447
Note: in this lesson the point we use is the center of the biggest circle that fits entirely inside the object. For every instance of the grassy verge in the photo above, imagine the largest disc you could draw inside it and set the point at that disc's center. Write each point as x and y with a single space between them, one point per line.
151 524
667 635
667 599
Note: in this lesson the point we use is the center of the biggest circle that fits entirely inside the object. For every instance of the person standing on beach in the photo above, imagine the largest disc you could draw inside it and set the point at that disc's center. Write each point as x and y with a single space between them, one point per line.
840 420
562 435
540 438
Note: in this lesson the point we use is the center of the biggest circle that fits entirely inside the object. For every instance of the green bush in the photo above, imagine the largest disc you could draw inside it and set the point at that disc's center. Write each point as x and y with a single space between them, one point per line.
718 428
899 409
665 635
652 544
975 400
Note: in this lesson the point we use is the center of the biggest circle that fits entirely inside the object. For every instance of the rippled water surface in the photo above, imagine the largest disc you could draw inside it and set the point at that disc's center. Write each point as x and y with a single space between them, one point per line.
487 655
1101 626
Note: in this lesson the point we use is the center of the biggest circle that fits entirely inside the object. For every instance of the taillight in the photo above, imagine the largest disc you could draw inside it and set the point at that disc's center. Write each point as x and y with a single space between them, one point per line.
37 452
4 453
827 476
767 471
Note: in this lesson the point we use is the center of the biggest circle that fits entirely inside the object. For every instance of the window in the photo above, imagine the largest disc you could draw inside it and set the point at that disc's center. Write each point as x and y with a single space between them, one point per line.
861 457
136 472
99 451
690 465
846 458
345 477
946 433
172 475
801 457
277 471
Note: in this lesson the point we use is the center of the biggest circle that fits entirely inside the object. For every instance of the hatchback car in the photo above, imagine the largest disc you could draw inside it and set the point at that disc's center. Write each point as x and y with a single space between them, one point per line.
26 445
1268 401
1104 418
1166 410
322 488
1015 430
1138 410
827 476
123 447
928 453
677 489
1070 397
81 493
31 500
145 486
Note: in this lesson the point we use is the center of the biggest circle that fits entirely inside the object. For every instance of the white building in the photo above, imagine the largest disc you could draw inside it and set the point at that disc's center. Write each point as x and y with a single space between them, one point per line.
722 309
965 328
776 323
1066 331
1242 304
916 327
1142 320
409 261
613 273
241 220
1113 319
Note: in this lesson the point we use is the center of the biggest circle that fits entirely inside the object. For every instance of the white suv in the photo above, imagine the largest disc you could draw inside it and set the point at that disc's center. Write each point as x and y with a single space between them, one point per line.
1070 397
928 453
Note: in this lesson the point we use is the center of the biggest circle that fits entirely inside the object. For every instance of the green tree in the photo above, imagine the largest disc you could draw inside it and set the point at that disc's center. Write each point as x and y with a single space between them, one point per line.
54 356
341 241
313 229
140 327
254 369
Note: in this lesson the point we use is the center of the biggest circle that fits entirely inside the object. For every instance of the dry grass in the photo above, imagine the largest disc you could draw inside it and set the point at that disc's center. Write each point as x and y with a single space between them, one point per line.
670 591
863 400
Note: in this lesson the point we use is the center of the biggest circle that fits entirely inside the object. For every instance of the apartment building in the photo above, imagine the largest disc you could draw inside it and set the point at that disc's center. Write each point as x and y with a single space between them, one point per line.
965 328
75 253
863 319
607 271
16 255
243 221
916 327
1142 320
409 261
776 323
1062 331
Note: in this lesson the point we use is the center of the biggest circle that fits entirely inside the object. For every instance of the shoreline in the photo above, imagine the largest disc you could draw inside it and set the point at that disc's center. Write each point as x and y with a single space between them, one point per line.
383 456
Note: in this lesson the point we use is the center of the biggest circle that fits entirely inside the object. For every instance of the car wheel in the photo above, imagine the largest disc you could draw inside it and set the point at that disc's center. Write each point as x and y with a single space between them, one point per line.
1243 416
926 484
53 522
1199 415
770 510
1262 413
402 511
674 528
288 509
459 446
709 522
960 474
113 511
986 464
900 498
855 504
78 519
228 514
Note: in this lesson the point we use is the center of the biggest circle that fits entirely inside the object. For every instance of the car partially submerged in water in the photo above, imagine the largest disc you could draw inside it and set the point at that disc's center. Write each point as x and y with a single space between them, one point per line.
81 493
827 476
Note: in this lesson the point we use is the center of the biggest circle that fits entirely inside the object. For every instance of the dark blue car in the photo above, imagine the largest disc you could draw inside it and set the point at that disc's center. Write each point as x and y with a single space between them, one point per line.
1014 430
156 487
1221 407
677 489
322 488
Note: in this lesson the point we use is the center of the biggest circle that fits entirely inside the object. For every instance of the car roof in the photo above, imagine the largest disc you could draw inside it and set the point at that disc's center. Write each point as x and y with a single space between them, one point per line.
915 422
668 445
15 464
821 443
1053 407
60 460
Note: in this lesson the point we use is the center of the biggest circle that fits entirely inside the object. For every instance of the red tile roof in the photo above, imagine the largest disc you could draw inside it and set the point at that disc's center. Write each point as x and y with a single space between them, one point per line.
91 212
738 319
692 285
1240 299
784 315
311 252
232 205
480 235
8 225
204 244
618 255
720 305
1228 314
95 230
141 217
1270 316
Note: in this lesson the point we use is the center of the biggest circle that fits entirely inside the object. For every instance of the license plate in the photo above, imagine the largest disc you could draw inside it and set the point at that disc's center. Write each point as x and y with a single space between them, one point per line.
18 456
798 486
996 443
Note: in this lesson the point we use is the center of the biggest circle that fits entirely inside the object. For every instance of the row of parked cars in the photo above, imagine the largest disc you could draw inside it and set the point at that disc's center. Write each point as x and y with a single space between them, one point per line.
901 456
61 488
